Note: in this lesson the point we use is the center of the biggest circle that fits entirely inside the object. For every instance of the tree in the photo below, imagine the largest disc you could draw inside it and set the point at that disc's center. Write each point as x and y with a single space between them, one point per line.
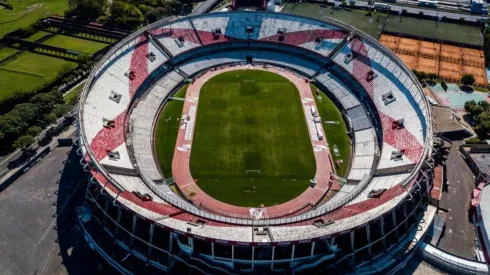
12 126
126 16
145 9
467 79
26 111
24 142
86 10
482 124
34 131
50 118
156 14
472 108
45 102
60 110
432 76
415 72
64 70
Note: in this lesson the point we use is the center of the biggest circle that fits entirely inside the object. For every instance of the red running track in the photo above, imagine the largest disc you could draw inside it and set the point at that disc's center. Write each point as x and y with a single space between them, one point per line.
184 180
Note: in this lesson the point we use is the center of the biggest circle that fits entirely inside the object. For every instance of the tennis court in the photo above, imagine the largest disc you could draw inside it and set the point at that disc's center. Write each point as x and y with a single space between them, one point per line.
447 61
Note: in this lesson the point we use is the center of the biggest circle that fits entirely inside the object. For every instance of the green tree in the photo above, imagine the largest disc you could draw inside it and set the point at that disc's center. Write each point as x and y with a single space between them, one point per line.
145 9
23 142
86 10
432 76
472 108
126 16
45 102
61 109
26 111
50 118
34 131
467 79
156 14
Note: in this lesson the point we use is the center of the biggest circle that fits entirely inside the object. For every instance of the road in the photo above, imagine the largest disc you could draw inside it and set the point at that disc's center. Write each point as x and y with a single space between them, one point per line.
205 6
33 239
458 237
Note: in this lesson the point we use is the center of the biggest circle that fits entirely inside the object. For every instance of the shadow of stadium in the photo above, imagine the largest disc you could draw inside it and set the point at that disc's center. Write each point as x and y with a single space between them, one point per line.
77 257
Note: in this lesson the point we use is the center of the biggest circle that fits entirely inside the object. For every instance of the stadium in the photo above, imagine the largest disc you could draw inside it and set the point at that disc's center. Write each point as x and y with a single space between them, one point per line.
243 142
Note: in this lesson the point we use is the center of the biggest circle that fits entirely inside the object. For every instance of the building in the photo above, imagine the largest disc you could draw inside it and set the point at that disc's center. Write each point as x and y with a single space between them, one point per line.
138 224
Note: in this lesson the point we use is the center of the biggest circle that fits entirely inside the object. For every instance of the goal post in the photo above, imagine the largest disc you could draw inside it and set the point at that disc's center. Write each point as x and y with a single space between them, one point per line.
252 172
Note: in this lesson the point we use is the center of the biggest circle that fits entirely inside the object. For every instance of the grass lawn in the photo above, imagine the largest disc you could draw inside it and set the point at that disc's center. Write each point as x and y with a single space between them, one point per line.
74 93
26 12
336 133
36 36
75 44
166 132
5 52
29 71
251 120
444 30
357 18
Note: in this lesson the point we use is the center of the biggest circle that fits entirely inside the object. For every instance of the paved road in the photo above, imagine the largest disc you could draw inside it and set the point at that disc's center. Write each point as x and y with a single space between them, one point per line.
33 240
205 6
459 234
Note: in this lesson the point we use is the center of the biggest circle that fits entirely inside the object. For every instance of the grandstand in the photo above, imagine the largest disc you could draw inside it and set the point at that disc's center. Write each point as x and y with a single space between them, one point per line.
369 225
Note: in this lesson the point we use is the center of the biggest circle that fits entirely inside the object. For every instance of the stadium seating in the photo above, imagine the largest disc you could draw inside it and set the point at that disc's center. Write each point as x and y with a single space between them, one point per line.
124 74
206 25
363 155
160 57
283 60
196 65
303 32
224 58
177 37
384 109
390 92
379 183
142 118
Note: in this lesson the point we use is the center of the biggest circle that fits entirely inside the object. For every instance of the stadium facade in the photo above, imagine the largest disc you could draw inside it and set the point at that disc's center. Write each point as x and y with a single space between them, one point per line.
372 225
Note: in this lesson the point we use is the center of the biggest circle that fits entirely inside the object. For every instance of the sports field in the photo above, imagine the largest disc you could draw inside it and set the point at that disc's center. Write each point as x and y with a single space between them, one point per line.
166 132
336 133
37 35
251 144
29 71
5 52
26 12
358 18
75 44
428 28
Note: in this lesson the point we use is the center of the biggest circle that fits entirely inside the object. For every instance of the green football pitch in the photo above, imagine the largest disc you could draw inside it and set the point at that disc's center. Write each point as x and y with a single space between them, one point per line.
251 144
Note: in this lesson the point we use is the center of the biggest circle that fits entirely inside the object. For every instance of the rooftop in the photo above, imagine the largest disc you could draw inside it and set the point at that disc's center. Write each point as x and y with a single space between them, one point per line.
482 160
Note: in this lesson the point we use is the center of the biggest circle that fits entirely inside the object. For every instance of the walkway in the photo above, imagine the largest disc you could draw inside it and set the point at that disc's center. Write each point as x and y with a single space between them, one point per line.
458 237
181 160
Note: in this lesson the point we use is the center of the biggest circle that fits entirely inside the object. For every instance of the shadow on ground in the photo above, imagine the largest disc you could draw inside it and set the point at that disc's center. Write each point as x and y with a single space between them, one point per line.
77 257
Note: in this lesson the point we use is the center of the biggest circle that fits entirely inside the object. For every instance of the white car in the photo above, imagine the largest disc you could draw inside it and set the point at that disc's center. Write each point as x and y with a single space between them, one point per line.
432 101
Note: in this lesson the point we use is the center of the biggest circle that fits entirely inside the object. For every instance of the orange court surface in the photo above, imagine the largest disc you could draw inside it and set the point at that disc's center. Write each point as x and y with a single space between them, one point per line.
447 61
